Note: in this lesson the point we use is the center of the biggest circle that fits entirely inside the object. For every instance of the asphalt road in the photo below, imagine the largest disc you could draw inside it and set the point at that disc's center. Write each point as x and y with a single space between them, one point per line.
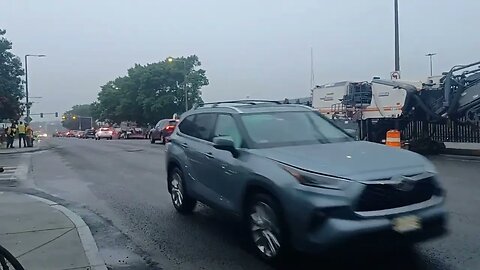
119 188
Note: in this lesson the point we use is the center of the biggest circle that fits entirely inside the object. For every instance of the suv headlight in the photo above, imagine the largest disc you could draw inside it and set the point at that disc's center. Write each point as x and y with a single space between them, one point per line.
314 179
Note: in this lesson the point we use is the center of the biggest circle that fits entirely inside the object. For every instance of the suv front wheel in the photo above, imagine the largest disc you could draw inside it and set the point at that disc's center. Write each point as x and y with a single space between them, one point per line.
183 203
265 227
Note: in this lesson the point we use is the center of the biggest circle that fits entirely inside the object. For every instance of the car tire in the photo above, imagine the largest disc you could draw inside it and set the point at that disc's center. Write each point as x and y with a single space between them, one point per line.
152 140
162 140
182 202
266 229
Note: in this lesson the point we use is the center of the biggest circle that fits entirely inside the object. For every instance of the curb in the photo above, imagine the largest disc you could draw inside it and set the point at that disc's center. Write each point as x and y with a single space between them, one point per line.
30 151
89 245
461 152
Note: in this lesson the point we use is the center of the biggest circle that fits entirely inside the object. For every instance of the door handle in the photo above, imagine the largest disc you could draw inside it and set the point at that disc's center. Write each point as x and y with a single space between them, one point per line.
208 155
184 145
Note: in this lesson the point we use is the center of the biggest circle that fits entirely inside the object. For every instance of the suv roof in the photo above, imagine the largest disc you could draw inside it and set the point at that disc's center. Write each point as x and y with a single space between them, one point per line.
247 106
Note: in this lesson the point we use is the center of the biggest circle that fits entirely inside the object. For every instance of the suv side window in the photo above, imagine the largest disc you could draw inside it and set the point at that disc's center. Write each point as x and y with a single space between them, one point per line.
187 126
226 126
204 124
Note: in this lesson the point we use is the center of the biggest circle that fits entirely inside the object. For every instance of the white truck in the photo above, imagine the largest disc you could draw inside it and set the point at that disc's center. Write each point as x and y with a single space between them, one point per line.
380 105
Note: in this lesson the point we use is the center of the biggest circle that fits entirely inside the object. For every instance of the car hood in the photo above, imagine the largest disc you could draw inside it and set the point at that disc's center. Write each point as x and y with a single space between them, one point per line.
353 160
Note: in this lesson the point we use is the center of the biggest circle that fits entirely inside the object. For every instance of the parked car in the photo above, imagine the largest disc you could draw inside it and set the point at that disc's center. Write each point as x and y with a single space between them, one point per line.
132 133
58 134
296 180
70 134
89 134
162 130
104 133
80 134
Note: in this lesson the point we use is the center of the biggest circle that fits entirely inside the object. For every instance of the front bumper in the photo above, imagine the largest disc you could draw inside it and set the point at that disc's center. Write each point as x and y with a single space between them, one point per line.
338 227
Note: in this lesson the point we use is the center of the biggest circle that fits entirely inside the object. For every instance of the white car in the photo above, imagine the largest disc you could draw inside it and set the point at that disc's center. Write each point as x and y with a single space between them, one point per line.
104 133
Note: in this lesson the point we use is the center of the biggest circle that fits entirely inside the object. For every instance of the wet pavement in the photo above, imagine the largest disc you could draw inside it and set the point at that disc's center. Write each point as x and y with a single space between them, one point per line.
119 189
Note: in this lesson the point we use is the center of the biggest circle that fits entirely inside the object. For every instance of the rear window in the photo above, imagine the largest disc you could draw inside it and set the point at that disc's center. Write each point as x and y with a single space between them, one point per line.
104 129
172 122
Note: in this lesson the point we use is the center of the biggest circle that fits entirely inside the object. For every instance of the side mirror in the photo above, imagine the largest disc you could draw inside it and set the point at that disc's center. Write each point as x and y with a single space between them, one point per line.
225 143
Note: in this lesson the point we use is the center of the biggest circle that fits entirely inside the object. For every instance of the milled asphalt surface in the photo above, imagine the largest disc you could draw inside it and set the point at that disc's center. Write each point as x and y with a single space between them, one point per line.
119 189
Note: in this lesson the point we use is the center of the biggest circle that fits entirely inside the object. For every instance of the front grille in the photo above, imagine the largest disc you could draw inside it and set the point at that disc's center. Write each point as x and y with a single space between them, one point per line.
387 196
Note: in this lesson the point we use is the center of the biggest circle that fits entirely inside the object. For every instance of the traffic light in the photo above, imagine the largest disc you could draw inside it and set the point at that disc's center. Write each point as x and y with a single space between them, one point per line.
41 115
74 117
56 114
64 117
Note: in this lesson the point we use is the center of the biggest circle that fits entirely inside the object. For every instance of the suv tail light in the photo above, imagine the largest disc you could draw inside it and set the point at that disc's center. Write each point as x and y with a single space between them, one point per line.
169 128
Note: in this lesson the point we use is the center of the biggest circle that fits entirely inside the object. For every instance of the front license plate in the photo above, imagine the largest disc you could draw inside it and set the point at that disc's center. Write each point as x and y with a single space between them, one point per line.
406 224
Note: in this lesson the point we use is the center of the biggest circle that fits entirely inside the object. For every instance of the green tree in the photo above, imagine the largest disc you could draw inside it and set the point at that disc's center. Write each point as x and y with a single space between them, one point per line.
151 92
11 84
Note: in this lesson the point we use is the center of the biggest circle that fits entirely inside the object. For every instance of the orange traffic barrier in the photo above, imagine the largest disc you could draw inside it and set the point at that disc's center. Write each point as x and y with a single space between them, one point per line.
393 138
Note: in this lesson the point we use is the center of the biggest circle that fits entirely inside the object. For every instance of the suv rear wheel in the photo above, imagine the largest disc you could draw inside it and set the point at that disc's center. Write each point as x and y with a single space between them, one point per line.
183 203
267 232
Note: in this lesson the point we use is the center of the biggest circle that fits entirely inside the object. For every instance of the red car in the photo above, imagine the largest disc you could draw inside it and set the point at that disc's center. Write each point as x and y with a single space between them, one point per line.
162 130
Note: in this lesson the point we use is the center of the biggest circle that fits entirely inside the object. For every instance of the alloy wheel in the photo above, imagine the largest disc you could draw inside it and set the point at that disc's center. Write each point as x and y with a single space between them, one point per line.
265 229
177 190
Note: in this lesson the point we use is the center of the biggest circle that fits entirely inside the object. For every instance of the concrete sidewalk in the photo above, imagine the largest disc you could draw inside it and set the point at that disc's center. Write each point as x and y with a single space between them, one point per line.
44 235
38 145
465 149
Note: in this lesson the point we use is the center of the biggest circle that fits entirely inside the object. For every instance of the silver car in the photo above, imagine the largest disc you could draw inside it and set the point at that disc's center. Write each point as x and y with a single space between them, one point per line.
298 181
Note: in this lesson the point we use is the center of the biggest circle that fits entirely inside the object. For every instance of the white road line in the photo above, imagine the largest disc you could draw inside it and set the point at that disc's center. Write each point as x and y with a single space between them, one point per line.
8 174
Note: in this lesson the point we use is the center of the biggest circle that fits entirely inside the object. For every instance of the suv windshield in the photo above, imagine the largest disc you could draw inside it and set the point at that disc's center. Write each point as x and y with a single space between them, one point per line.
274 129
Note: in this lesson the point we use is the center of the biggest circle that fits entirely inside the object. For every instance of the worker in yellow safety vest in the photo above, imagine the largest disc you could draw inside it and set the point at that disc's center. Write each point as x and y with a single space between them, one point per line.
29 136
22 135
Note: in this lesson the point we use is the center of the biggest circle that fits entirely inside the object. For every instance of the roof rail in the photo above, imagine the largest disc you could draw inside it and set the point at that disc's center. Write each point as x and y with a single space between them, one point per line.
244 101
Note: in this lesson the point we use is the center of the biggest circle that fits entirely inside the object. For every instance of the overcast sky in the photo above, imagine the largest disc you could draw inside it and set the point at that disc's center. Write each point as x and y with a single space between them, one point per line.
256 48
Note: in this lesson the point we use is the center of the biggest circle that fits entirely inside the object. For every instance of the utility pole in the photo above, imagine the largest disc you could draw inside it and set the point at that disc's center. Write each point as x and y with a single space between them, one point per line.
312 73
26 90
27 99
430 55
397 39
184 61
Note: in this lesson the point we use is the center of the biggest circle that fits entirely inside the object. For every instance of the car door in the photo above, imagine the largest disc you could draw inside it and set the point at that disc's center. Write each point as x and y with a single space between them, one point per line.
225 171
198 145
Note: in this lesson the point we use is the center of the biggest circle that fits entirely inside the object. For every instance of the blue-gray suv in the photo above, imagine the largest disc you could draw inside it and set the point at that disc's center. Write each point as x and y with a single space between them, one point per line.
298 181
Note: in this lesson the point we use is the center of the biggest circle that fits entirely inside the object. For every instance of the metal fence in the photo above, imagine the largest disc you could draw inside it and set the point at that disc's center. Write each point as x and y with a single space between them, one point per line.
445 132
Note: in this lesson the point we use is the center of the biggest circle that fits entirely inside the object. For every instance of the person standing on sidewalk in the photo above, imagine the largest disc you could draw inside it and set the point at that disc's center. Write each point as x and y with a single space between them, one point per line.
11 130
29 136
22 136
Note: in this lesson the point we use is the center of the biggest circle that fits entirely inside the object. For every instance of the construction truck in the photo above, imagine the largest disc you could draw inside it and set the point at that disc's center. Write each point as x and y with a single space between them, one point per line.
422 110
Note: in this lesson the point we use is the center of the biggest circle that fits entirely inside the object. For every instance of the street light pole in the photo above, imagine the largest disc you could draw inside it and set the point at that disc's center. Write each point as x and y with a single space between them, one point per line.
26 89
185 85
397 39
170 60
430 55
26 84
